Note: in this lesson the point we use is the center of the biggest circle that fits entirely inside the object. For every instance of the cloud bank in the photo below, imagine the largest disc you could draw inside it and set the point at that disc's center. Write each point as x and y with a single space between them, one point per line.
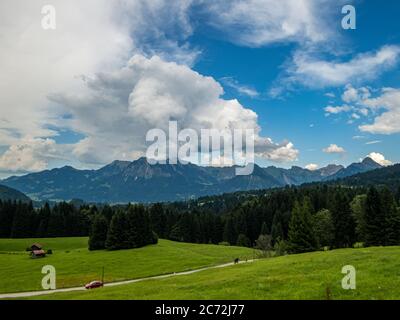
118 108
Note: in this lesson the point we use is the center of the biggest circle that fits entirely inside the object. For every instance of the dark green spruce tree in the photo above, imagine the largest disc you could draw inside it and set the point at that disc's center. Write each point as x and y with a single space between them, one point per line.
343 220
229 231
118 232
375 219
277 232
139 229
98 233
22 224
301 234
264 229
392 218
158 220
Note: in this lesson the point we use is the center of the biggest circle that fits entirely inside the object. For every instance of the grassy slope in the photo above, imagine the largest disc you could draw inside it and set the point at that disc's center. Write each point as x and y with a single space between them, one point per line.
75 265
303 276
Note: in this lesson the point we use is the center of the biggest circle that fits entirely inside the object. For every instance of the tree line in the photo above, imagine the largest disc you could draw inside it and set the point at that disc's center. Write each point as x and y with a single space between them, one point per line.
292 219
22 220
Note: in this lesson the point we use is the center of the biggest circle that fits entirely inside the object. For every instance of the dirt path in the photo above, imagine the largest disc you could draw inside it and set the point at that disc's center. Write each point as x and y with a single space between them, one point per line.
112 284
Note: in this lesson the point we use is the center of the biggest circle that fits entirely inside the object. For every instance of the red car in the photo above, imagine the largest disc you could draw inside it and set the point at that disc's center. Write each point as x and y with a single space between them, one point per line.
94 285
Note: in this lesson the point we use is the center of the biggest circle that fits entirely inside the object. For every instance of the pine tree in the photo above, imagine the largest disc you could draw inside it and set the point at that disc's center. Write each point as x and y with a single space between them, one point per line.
229 231
358 208
22 222
176 233
118 233
392 218
343 220
218 231
398 196
98 233
55 226
44 215
375 219
138 227
196 230
7 213
264 229
107 213
301 233
158 220
393 228
277 228
324 228
187 229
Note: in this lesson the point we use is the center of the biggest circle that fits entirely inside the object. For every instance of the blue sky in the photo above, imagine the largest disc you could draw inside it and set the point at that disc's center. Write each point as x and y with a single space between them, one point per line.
298 115
86 93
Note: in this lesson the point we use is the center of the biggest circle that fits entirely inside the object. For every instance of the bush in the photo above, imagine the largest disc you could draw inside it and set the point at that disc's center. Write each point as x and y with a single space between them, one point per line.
358 245
281 247
243 241
263 243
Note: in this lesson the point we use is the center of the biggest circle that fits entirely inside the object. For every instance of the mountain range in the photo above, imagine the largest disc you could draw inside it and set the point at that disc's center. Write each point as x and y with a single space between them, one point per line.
139 181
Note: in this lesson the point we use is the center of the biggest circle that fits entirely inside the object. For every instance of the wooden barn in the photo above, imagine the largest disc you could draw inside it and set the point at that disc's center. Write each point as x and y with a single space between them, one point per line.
36 246
38 254
37 251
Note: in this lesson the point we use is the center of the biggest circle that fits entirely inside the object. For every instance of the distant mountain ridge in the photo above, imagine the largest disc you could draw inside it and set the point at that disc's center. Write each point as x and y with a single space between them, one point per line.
7 193
387 176
138 181
355 168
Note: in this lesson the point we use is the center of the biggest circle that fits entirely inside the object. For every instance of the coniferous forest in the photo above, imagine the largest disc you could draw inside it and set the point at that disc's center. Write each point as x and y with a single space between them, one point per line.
293 219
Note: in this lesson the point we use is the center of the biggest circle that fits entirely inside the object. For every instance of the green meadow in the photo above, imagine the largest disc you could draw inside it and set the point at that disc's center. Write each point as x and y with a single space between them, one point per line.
76 265
314 275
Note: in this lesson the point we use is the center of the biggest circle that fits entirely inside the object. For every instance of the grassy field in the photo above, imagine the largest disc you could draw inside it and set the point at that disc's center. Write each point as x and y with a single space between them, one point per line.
76 266
305 276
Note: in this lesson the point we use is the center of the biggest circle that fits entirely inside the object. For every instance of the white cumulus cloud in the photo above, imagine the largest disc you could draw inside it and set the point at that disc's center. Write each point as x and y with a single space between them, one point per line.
379 158
388 121
261 22
334 148
312 167
338 109
30 154
379 109
114 105
240 88
118 108
314 72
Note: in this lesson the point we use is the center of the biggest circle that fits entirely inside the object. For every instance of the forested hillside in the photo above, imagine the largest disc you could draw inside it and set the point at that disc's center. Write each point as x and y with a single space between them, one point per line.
7 193
293 219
